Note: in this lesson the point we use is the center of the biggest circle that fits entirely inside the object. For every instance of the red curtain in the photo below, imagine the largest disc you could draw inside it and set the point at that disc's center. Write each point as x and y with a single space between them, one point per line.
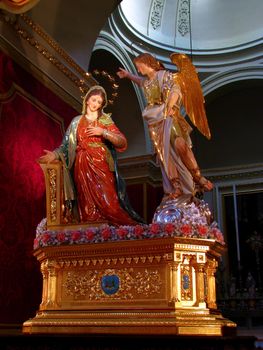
28 124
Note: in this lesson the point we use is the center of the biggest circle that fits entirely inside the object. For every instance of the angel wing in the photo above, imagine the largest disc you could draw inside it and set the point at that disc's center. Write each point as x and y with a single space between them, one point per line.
193 98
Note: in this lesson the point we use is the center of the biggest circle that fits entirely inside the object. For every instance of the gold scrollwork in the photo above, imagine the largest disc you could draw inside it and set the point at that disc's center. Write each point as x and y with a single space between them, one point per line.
88 284
147 282
52 179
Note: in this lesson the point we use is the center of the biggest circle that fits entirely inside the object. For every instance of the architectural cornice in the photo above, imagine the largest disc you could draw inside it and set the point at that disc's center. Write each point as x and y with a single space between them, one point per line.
144 168
35 50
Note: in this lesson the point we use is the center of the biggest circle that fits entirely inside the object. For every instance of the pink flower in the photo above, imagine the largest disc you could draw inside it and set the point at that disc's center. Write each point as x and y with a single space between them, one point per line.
155 228
36 243
106 233
121 232
202 230
90 235
186 230
217 234
61 237
75 235
138 230
169 228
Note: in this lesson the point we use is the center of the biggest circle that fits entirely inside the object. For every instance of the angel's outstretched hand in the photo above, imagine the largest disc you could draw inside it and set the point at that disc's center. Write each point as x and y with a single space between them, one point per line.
122 73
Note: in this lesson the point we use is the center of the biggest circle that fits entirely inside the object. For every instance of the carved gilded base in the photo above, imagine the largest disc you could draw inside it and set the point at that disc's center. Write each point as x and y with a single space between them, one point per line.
153 286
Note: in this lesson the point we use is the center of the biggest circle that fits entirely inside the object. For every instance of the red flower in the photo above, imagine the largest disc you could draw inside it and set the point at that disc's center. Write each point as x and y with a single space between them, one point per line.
202 230
121 232
75 235
106 233
169 228
61 237
138 230
45 237
155 228
89 235
186 230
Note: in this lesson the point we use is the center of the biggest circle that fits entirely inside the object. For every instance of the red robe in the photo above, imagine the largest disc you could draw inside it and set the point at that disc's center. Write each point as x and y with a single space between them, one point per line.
94 180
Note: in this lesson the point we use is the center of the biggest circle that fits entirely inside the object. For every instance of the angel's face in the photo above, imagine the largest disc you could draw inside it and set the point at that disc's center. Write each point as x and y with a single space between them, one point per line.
143 68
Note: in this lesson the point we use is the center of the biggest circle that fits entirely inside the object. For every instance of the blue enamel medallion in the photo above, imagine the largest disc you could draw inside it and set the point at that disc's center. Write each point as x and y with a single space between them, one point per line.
110 284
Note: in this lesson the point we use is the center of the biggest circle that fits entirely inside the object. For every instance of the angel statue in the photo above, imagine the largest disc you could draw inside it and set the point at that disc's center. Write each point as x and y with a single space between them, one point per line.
167 95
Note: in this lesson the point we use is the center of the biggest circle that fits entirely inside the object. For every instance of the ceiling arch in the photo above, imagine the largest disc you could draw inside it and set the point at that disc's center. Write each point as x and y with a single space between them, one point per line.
237 74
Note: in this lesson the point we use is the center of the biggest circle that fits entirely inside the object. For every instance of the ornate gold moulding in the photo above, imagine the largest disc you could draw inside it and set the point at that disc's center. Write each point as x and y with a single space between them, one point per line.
153 286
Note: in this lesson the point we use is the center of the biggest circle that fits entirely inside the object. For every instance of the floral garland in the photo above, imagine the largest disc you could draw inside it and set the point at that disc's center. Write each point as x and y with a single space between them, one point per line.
106 233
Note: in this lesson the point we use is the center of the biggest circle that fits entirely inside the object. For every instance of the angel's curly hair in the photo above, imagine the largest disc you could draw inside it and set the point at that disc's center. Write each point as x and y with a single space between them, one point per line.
149 60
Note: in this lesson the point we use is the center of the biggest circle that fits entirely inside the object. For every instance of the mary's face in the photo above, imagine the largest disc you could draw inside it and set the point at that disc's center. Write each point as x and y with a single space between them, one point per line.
94 103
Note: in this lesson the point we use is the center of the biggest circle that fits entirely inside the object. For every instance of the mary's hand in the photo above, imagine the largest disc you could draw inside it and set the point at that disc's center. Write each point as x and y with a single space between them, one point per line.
48 157
94 131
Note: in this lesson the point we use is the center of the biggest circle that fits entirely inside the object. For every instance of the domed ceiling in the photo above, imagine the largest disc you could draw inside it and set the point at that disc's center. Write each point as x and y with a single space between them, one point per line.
224 38
201 27
198 25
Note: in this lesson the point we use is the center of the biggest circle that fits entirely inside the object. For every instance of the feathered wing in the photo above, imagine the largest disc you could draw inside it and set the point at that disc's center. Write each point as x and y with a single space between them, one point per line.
193 98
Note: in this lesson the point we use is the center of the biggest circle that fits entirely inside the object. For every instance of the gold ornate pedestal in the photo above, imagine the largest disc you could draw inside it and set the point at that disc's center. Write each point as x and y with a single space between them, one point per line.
150 286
